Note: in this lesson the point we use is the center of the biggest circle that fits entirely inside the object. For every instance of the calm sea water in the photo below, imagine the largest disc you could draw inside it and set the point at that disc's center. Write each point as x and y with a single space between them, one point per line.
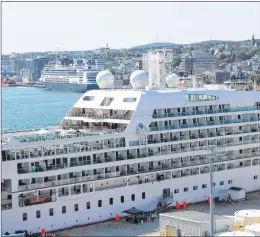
28 107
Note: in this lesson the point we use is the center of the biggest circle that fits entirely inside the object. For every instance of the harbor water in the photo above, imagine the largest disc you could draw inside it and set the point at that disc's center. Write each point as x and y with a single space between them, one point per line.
29 107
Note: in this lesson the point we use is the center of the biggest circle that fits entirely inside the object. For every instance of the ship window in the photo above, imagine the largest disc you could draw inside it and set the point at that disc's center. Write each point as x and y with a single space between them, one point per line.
51 211
230 181
221 182
24 216
195 187
186 189
106 101
38 214
88 205
255 177
200 97
133 197
63 209
176 191
204 185
88 98
99 203
111 201
76 207
130 99
143 195
122 199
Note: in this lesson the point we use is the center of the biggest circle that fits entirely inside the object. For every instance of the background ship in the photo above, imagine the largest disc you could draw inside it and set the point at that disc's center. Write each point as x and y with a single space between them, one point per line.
71 78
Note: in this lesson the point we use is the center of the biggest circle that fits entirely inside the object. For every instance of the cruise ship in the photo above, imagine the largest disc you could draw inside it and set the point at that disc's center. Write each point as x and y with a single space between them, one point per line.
122 148
70 78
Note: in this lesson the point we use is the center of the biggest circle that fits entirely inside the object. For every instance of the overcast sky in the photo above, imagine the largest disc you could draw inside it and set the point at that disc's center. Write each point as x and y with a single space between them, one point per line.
43 26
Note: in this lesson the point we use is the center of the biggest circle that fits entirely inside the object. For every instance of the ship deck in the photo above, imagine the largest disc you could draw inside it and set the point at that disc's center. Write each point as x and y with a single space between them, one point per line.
55 133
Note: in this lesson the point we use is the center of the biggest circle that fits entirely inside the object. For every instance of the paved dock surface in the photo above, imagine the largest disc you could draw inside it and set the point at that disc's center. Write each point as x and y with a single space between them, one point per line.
152 228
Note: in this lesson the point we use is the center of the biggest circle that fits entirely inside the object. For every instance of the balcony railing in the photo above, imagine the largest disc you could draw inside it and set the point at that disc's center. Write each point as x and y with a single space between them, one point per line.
200 112
68 134
134 156
146 169
199 136
203 124
103 116
6 206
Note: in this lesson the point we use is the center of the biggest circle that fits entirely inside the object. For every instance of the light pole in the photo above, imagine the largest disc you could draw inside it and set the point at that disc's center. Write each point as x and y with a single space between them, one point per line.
211 152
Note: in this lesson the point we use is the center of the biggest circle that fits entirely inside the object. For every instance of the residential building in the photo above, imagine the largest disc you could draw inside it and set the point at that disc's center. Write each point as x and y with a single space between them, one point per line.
100 64
38 65
186 63
202 61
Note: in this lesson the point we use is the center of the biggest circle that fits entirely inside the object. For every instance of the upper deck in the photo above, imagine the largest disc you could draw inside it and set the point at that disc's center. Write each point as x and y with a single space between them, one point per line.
111 112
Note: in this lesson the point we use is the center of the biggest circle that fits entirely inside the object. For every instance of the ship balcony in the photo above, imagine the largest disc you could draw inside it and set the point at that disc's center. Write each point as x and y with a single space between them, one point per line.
205 111
155 139
149 178
135 169
6 204
176 174
6 198
204 170
100 188
197 125
255 162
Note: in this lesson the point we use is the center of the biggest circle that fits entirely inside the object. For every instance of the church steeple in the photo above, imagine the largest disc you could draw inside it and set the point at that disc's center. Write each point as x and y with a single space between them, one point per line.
253 41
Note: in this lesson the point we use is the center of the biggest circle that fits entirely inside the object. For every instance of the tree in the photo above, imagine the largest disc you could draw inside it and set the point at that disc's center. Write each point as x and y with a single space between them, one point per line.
222 56
257 79
176 61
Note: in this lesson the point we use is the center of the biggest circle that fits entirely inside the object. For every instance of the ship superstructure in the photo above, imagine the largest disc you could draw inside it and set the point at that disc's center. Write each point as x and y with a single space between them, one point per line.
116 149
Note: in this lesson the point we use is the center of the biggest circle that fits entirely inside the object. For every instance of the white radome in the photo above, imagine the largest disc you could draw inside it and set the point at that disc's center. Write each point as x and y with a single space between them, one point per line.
139 79
172 80
105 79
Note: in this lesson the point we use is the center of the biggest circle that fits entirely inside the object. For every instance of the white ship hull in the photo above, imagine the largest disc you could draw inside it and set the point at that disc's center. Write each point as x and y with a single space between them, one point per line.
70 87
12 219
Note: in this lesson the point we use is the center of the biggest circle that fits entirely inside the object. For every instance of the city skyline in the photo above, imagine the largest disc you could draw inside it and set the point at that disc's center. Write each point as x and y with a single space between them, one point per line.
44 26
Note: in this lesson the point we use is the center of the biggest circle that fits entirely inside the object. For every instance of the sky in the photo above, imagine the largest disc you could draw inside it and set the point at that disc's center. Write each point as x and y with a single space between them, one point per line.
46 26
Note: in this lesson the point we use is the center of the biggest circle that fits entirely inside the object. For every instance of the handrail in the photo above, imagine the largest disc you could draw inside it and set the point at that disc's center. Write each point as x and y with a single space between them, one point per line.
200 112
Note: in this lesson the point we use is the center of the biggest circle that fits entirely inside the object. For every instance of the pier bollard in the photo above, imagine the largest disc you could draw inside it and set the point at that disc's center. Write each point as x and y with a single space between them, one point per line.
83 231
125 227
66 234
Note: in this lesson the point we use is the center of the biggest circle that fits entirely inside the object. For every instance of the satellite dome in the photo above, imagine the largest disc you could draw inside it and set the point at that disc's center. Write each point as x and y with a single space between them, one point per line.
172 80
105 79
139 79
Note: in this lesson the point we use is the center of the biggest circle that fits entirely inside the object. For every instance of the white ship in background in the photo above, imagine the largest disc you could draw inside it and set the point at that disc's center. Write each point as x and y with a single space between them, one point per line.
73 78
69 78
116 149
